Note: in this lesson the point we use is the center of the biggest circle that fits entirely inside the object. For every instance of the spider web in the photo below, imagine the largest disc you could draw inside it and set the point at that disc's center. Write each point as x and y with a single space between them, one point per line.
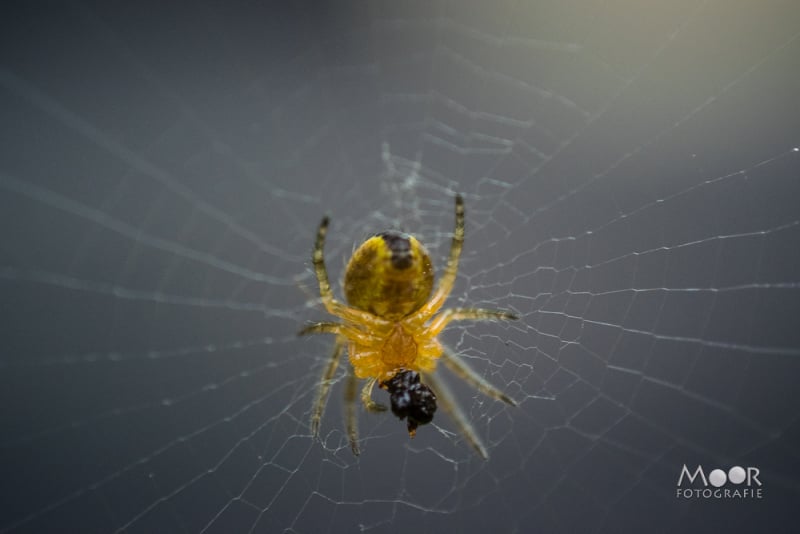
630 172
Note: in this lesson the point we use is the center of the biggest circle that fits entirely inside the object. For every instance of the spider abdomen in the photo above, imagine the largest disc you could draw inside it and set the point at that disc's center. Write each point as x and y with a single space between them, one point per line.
390 275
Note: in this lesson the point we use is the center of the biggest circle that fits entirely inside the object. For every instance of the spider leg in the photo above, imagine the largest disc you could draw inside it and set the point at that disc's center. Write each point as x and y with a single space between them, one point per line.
320 328
451 269
333 306
349 333
318 258
461 314
325 387
445 399
351 421
468 375
366 397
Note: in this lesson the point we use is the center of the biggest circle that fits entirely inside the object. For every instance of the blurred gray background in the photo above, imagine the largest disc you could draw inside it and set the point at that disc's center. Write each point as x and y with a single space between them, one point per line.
631 177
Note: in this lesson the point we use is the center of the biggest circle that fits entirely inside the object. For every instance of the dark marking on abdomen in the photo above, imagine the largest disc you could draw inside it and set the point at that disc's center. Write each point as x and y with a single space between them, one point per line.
400 246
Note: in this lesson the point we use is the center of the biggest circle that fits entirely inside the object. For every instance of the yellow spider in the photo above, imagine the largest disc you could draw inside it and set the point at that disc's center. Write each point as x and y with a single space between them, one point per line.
390 328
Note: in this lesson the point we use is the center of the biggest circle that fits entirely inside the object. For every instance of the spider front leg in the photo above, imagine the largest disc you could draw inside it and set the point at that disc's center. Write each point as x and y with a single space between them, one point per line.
468 375
324 387
445 398
343 334
351 420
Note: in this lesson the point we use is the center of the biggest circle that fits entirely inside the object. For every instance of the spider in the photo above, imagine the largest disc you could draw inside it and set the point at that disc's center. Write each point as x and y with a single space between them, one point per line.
390 328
